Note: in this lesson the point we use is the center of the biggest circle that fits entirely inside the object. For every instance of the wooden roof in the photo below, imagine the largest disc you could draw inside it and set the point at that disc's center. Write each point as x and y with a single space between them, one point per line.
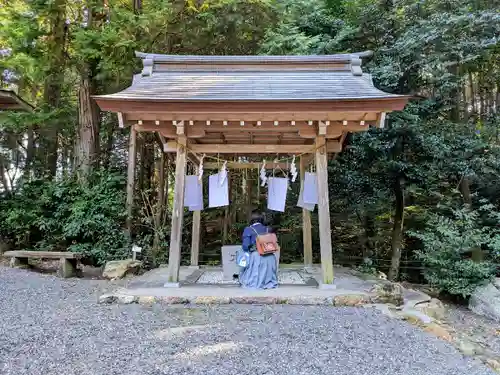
249 78
236 104
10 101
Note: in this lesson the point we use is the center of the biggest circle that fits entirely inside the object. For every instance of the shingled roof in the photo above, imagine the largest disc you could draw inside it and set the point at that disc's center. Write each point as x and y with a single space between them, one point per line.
9 100
250 78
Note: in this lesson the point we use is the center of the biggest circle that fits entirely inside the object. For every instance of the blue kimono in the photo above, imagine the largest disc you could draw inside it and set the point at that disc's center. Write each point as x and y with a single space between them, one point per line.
261 270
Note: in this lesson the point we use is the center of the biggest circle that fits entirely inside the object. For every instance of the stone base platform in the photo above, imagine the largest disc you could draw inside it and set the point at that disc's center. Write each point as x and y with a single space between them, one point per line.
226 295
298 286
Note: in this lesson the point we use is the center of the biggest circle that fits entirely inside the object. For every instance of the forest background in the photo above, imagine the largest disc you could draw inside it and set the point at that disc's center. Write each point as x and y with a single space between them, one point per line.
419 200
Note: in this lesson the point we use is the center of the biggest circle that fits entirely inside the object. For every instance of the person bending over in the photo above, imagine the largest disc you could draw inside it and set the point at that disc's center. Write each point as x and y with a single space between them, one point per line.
260 271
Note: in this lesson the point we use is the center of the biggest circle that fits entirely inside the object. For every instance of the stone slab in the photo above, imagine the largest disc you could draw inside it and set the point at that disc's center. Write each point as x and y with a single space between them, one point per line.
213 295
229 266
327 286
172 285
285 277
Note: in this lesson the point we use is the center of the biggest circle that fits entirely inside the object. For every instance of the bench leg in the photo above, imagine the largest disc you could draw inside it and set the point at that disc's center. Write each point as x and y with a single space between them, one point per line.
67 268
19 262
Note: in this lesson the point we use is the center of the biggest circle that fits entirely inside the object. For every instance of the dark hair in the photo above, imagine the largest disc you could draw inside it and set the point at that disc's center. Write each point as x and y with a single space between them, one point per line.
256 217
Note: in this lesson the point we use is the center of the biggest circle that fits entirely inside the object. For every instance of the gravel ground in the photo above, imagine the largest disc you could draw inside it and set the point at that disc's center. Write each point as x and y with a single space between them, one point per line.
475 327
52 326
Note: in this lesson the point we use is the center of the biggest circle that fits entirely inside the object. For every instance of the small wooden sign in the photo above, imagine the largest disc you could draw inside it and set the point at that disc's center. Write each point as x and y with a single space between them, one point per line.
135 249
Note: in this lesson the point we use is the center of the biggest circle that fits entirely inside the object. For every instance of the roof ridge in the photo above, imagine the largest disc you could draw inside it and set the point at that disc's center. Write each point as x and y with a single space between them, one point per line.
253 58
351 60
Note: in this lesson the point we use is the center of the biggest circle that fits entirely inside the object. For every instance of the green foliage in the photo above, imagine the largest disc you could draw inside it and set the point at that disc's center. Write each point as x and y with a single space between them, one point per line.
447 244
68 216
444 148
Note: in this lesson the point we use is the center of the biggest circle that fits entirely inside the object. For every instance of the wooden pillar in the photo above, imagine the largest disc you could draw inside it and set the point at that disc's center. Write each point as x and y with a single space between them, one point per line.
174 258
325 234
160 206
195 239
306 222
132 147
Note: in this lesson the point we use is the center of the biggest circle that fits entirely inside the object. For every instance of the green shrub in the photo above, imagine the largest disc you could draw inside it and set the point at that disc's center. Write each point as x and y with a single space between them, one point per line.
66 215
446 247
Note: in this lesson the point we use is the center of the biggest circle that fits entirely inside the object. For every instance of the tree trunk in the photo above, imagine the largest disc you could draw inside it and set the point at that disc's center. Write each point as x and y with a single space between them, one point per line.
137 4
369 232
465 190
53 85
106 154
3 175
248 195
472 95
159 206
455 94
397 230
131 179
149 161
140 160
30 154
87 150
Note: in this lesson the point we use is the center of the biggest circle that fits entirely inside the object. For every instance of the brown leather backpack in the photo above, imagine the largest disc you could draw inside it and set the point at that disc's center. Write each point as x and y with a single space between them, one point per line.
266 243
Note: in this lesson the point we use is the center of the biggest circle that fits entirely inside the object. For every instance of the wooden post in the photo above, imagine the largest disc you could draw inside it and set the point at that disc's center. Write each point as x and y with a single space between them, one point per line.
160 206
306 222
195 238
325 234
67 268
131 178
174 258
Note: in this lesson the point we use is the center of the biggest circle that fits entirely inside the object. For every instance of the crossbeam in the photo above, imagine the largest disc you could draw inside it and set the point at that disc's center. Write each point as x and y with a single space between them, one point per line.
331 146
243 165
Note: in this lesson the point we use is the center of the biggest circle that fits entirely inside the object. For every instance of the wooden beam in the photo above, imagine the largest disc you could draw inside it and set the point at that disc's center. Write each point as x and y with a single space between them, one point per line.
195 238
251 126
283 109
381 120
341 141
121 123
216 118
331 146
322 127
306 221
242 165
174 258
180 128
132 147
309 133
171 131
249 117
325 232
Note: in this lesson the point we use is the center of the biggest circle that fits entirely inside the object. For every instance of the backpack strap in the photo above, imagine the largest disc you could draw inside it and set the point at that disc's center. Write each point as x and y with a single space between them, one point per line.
257 233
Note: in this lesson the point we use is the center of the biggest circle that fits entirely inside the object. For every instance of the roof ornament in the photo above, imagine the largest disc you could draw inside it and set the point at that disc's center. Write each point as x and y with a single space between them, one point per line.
147 69
356 66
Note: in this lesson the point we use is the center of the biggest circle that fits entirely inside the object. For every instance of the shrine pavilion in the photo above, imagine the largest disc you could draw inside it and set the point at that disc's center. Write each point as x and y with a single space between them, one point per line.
10 101
248 105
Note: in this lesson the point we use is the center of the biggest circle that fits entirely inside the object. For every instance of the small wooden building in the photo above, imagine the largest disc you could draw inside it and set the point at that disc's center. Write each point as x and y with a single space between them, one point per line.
243 105
10 101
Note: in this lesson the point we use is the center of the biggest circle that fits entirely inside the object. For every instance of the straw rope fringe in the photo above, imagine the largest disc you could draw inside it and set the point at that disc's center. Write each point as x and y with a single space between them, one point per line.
220 160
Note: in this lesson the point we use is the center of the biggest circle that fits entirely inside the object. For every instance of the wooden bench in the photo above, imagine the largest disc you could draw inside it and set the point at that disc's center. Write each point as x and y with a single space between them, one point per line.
67 265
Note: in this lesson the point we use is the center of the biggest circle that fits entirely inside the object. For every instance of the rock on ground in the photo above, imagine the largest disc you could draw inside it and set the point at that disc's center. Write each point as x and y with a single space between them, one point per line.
117 269
388 292
486 300
434 308
51 326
